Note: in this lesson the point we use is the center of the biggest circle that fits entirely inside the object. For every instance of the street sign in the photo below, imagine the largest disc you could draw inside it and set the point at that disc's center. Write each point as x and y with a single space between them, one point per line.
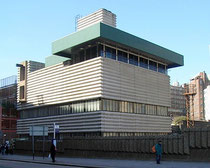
38 130
56 128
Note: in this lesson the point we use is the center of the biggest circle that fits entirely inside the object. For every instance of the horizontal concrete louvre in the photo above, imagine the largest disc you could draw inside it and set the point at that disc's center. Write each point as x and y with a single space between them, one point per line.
65 82
64 117
75 67
70 86
65 76
134 122
71 122
66 99
60 84
101 121
132 83
71 90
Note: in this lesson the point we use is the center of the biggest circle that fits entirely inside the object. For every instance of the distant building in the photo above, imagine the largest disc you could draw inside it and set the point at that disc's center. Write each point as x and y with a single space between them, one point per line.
177 101
207 103
100 81
195 90
8 111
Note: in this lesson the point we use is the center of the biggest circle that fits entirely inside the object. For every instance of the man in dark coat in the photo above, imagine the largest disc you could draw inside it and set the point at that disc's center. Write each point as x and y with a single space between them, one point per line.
52 152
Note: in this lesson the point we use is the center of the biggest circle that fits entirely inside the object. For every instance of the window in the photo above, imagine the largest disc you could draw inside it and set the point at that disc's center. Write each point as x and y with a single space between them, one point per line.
153 65
22 73
22 92
143 63
122 56
82 55
94 105
91 53
130 107
110 53
101 50
133 59
151 109
161 68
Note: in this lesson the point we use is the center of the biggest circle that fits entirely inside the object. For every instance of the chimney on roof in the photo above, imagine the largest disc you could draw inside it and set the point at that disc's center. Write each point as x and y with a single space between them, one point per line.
102 15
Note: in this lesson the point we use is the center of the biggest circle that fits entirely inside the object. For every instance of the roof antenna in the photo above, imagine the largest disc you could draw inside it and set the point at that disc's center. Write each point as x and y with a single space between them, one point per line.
76 19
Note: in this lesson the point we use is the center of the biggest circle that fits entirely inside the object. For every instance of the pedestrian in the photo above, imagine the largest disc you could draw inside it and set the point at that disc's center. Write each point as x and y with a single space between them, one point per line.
52 152
6 149
158 149
2 149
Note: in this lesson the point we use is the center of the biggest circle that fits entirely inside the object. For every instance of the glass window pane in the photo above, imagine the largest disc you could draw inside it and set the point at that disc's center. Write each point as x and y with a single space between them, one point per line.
161 68
82 55
91 53
133 59
110 53
143 63
153 65
101 50
122 56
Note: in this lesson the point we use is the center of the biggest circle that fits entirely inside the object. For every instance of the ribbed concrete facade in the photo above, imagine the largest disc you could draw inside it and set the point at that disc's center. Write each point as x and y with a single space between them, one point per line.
131 83
101 121
97 78
102 15
61 84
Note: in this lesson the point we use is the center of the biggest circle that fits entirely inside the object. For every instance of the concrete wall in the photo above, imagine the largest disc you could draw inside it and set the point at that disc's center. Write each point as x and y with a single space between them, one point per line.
60 84
122 81
98 77
192 144
99 122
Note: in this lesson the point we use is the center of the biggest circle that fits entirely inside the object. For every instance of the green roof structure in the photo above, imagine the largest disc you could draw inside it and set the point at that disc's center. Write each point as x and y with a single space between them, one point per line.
104 32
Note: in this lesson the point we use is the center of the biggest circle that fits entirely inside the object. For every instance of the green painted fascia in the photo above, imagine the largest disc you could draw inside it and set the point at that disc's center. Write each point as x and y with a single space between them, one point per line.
54 59
76 38
130 40
103 31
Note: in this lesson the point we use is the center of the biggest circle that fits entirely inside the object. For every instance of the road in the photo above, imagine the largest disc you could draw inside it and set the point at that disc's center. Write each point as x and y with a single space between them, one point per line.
15 164
23 161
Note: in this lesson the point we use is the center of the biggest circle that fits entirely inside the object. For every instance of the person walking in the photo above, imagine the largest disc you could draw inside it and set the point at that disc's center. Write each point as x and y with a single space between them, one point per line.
6 149
158 149
2 149
52 152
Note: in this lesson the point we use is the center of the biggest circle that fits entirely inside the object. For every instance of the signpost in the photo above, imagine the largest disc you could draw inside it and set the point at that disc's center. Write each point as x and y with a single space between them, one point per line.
38 131
55 130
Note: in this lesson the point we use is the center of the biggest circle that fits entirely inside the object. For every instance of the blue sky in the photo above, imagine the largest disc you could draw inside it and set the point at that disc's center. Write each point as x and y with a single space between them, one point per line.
27 28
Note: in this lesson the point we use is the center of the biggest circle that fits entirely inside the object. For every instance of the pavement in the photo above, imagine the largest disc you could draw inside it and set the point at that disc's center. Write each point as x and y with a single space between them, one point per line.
104 163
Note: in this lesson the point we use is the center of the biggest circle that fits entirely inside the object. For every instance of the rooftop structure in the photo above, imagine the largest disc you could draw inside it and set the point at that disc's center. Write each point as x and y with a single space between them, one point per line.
102 15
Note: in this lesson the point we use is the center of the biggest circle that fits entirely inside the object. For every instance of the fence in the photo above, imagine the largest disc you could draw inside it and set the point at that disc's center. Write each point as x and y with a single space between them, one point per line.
179 144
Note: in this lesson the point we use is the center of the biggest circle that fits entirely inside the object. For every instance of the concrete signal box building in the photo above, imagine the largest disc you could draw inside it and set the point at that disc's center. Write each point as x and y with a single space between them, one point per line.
99 81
